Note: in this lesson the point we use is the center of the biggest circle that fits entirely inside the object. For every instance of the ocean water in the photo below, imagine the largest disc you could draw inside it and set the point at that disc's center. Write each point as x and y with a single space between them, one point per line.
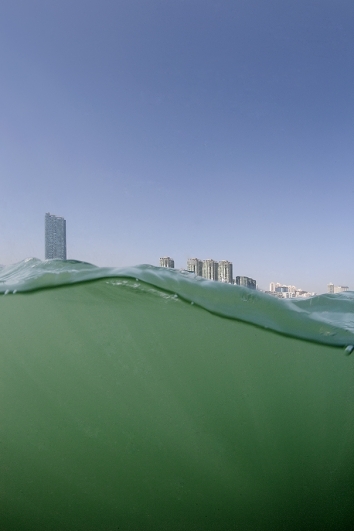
149 399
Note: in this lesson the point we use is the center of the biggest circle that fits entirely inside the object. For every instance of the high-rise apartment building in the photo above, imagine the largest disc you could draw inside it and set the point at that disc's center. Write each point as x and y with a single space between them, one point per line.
194 265
246 282
55 237
210 269
225 271
166 261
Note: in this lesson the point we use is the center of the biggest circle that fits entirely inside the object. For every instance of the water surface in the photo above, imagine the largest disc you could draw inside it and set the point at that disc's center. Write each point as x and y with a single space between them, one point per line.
143 398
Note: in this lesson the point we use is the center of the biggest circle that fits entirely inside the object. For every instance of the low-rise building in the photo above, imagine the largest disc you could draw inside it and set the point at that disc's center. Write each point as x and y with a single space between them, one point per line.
246 282
336 289
283 291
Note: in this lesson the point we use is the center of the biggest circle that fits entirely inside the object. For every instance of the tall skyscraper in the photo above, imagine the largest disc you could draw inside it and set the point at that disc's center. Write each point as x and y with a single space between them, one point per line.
194 265
166 261
225 271
210 269
55 237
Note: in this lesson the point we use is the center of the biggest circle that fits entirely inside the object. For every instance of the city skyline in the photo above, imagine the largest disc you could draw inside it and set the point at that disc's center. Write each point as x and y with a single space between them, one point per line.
196 128
222 271
210 269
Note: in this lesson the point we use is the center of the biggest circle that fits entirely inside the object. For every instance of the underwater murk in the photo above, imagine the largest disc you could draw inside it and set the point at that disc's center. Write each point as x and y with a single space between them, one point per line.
150 399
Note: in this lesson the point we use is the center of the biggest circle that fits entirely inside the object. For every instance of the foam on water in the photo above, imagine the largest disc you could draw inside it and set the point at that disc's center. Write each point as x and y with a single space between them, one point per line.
326 319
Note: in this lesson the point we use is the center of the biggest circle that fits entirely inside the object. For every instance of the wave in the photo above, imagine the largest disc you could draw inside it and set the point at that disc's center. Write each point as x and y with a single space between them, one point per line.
126 405
326 319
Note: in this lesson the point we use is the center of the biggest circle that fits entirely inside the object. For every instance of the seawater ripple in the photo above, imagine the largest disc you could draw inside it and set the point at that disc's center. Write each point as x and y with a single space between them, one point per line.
326 319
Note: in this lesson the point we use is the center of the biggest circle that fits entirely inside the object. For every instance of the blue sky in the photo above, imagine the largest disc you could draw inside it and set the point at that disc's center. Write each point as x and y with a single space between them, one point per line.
216 129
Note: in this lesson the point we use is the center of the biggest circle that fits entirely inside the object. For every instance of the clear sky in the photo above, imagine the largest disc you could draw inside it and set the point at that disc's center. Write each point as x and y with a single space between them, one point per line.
191 128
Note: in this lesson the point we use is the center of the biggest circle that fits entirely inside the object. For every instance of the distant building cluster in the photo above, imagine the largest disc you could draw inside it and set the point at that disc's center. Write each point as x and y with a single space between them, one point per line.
212 270
283 291
336 289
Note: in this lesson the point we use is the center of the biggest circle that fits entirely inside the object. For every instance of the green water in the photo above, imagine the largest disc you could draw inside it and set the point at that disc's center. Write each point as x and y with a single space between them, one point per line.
126 407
